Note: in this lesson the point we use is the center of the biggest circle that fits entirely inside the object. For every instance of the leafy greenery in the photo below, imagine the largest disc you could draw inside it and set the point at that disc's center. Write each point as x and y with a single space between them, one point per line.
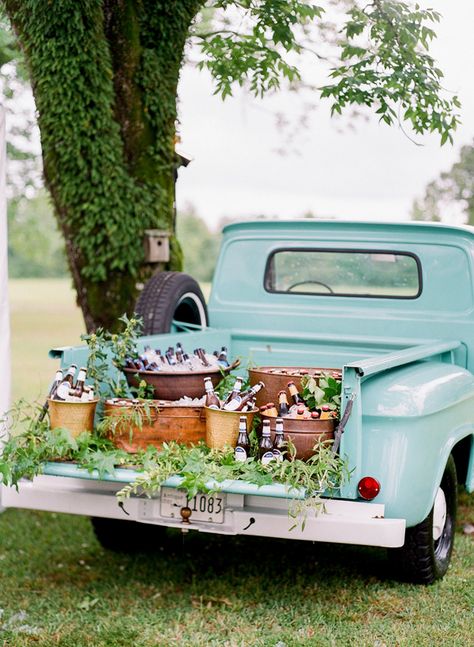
450 197
108 348
32 443
324 391
105 78
385 64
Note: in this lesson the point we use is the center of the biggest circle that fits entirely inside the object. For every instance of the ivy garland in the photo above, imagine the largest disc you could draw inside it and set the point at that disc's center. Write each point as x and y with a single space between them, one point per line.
202 469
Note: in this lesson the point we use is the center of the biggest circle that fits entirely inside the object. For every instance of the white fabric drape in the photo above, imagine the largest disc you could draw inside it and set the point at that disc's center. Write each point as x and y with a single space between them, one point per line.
5 377
4 308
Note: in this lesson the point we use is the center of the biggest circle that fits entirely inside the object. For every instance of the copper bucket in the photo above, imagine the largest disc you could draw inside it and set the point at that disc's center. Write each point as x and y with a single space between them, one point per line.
156 422
76 417
304 434
276 381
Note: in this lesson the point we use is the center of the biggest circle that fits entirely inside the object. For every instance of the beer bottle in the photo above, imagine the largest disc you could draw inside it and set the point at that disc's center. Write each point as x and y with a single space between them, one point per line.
300 412
57 381
241 399
250 406
279 442
144 360
149 353
295 396
202 356
271 410
78 390
242 448
283 409
170 358
314 415
62 391
188 361
263 409
160 356
235 390
222 357
58 378
212 401
265 449
325 412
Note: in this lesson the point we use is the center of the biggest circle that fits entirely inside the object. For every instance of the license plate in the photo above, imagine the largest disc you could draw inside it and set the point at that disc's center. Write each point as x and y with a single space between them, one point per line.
204 507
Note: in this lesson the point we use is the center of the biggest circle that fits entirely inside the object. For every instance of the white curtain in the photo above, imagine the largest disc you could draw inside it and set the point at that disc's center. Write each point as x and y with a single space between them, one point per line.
4 309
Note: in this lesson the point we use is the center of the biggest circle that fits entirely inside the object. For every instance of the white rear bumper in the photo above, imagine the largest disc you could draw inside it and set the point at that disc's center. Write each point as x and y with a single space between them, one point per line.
347 522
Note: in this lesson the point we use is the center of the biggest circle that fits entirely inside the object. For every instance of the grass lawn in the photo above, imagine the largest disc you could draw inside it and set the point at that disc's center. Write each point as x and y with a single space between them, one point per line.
43 316
59 587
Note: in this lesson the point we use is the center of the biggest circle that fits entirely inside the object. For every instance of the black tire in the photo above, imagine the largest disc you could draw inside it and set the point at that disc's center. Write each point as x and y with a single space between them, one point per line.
169 296
124 536
424 559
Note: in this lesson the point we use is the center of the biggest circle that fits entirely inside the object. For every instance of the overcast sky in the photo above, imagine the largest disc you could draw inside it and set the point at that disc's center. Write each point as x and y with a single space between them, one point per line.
374 172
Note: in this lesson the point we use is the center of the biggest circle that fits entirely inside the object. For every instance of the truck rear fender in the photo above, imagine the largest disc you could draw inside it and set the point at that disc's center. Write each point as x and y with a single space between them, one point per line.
412 419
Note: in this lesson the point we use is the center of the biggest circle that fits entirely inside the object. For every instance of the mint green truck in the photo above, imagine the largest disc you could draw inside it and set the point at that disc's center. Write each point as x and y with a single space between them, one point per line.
392 306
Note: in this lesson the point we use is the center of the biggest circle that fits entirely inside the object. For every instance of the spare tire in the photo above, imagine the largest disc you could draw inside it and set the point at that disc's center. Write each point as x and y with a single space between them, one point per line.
168 299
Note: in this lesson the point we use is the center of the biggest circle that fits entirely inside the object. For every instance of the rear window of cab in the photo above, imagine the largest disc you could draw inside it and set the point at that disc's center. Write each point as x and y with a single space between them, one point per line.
344 273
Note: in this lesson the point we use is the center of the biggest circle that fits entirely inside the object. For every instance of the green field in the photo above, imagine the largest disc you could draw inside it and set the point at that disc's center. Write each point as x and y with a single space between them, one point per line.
59 587
43 315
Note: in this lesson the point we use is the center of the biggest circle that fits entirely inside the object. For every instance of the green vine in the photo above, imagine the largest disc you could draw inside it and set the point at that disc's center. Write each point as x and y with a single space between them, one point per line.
108 349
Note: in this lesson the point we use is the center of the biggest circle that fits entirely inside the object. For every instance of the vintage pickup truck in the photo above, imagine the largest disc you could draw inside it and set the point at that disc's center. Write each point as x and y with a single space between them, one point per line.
392 305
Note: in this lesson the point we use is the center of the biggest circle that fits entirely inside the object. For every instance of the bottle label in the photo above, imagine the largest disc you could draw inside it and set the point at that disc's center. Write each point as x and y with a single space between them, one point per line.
277 455
240 455
267 458
62 392
233 405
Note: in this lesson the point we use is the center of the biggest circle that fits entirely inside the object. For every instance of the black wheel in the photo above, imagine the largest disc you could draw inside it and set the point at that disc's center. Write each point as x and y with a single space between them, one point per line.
124 536
426 553
168 299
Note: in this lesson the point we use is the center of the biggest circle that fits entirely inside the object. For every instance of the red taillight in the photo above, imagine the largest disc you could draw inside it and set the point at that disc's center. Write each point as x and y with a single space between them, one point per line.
368 488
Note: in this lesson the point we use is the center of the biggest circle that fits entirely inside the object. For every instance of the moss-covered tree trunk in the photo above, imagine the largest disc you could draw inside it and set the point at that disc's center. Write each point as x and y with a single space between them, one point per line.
104 76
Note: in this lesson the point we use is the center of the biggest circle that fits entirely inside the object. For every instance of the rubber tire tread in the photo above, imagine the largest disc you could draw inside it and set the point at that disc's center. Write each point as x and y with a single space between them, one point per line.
158 300
416 561
124 536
